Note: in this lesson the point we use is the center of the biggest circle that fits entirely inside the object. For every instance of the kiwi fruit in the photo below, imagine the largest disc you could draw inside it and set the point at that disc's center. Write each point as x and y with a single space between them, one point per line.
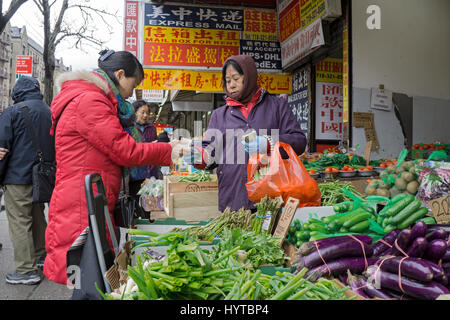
412 187
407 176
412 170
400 184
371 190
383 193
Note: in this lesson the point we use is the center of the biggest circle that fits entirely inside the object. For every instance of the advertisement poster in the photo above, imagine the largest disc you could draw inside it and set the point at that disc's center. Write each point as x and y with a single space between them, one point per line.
131 18
300 99
289 18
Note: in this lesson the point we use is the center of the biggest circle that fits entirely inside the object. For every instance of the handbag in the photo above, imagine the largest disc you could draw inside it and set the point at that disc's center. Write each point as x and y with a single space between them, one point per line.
44 172
125 209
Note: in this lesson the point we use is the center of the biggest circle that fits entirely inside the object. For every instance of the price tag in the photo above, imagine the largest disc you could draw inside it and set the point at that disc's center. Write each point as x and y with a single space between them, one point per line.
286 219
367 152
440 209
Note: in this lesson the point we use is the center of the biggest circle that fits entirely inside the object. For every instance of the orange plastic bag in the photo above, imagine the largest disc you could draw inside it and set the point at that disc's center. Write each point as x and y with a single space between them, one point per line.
285 178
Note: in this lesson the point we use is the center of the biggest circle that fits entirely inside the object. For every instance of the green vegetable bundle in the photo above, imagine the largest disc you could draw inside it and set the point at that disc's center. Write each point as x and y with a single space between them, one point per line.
199 176
267 210
402 211
333 192
241 219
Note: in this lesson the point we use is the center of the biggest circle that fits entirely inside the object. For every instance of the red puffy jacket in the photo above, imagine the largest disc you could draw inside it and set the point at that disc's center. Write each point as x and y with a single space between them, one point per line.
89 138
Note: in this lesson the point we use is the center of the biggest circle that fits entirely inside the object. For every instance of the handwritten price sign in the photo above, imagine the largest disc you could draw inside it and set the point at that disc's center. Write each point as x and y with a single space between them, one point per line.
440 209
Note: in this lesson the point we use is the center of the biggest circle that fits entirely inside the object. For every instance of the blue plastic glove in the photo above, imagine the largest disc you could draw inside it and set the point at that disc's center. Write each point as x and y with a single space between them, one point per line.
257 146
194 157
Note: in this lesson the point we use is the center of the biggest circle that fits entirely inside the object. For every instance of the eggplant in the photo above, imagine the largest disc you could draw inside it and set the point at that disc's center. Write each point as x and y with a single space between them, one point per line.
403 240
433 227
355 285
413 268
398 296
438 272
436 250
446 265
343 249
416 289
437 234
307 247
379 247
418 230
446 256
337 267
373 292
417 248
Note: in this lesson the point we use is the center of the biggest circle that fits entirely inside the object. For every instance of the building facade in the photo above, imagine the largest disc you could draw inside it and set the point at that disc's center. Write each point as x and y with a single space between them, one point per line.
5 58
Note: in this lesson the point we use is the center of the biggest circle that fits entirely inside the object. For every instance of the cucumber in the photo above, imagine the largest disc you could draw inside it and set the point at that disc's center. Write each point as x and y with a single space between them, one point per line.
342 220
389 228
304 235
368 208
356 219
380 220
398 197
305 227
361 226
428 220
398 206
422 212
343 207
343 230
332 226
317 227
406 212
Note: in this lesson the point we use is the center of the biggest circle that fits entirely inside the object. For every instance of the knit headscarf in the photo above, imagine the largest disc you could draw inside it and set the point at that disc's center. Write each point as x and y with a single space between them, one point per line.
248 67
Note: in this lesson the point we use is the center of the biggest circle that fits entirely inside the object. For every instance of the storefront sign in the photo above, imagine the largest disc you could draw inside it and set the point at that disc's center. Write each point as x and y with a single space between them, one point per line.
289 19
302 43
345 73
164 79
311 10
205 37
329 70
267 54
300 99
24 66
131 34
329 111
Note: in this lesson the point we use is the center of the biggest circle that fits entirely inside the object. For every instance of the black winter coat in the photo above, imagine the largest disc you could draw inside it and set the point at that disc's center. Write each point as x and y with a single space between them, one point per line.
15 134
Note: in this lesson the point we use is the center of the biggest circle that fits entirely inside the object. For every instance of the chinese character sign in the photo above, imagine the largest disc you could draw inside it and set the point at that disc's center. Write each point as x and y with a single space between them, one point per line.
329 111
164 79
131 17
310 10
300 99
289 19
205 37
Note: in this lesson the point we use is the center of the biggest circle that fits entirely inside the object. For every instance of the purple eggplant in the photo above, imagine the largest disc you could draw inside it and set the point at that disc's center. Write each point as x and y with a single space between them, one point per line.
436 250
419 230
446 265
417 248
413 268
385 253
379 247
432 227
446 256
355 285
337 267
437 234
416 289
398 296
343 249
438 272
403 240
373 292
308 247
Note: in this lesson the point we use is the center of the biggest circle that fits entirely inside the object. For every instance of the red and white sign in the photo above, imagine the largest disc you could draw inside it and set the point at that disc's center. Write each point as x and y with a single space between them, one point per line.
131 18
24 65
329 104
301 43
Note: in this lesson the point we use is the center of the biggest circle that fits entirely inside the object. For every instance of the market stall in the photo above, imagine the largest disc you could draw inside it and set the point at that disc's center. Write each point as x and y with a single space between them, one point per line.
356 244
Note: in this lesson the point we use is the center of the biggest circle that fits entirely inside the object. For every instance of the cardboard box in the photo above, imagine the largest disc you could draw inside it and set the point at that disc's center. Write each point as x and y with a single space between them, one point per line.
191 201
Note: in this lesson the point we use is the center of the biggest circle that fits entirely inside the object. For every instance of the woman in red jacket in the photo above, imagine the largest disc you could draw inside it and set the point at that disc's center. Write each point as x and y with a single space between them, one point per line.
89 115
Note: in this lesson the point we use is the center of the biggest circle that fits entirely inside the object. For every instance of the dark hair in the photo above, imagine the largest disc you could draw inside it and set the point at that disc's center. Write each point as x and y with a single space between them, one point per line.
111 61
141 102
224 70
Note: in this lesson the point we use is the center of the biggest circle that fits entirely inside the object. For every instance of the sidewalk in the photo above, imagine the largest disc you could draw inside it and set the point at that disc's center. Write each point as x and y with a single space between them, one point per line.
45 290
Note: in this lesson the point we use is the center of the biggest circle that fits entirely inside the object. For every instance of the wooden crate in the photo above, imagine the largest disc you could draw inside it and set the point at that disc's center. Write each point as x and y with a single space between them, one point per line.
191 201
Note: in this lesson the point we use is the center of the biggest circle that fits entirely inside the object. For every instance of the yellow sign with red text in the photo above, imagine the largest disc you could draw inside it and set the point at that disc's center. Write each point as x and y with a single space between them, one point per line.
164 79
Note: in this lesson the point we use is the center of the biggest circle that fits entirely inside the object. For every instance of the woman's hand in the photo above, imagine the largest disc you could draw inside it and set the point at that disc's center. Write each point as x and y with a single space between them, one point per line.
3 153
179 148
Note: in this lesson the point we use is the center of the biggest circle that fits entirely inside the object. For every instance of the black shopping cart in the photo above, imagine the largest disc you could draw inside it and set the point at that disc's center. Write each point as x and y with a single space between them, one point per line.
90 256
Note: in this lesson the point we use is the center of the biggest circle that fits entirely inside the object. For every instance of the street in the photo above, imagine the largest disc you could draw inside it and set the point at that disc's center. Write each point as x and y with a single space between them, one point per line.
45 290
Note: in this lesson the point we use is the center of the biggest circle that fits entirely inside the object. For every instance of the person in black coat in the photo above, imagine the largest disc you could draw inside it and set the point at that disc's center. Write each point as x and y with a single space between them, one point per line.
26 219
